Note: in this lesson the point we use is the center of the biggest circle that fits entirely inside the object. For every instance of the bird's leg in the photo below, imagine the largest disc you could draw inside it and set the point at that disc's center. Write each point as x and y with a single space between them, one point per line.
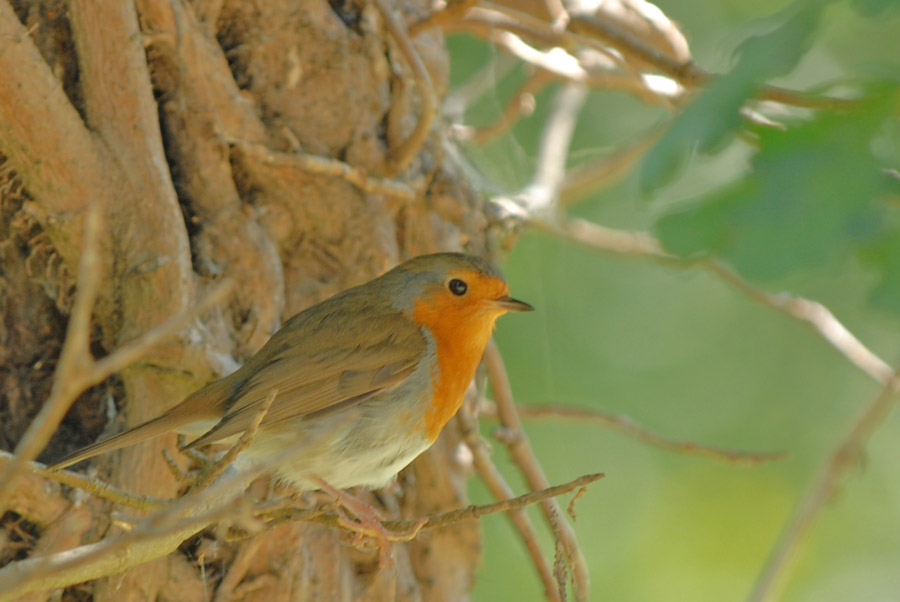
213 472
368 522
205 462
181 476
187 476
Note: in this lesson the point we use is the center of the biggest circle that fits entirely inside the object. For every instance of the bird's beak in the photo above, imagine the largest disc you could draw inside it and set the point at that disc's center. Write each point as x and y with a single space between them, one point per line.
510 304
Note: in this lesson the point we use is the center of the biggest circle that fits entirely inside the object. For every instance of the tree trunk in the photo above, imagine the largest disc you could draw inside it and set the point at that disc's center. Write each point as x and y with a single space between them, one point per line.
255 141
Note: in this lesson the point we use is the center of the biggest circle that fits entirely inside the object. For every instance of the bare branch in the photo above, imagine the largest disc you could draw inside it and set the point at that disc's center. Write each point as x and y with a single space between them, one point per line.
646 47
452 11
149 539
93 486
603 171
77 370
521 104
34 498
501 490
626 425
811 313
484 81
816 316
820 492
279 515
686 72
74 362
356 176
474 512
540 197
523 456
550 169
158 537
63 534
631 243
403 154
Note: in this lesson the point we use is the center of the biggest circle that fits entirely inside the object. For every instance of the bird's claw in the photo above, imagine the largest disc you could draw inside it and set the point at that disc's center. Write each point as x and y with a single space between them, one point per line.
372 528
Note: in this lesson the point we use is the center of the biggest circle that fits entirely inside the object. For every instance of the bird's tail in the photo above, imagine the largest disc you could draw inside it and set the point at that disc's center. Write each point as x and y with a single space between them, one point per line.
142 432
201 407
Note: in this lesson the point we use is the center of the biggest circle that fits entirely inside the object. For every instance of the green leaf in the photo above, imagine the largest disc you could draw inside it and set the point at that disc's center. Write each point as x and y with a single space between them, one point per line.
708 228
710 120
884 257
874 8
812 200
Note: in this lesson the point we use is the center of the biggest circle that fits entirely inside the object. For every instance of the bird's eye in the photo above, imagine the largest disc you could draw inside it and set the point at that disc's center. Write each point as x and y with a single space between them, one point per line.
458 287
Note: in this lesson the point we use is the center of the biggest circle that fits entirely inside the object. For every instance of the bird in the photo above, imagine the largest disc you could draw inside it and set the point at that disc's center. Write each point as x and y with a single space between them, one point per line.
363 382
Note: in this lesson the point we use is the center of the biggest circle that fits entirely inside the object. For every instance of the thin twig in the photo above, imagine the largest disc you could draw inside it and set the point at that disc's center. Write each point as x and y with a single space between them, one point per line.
626 425
331 167
33 499
550 167
434 521
795 534
238 568
811 313
501 490
688 73
92 485
452 10
539 198
74 362
521 104
403 154
604 171
107 556
523 456
595 31
559 17
64 534
474 512
565 66
816 316
154 537
481 20
77 370
484 81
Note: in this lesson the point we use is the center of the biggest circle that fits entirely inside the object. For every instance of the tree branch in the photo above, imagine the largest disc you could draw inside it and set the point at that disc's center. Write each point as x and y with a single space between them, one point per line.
401 191
642 245
523 456
501 490
403 154
77 370
94 486
821 491
45 140
444 519
626 425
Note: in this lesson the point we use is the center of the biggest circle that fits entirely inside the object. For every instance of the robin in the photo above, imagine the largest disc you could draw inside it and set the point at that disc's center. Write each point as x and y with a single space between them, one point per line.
363 382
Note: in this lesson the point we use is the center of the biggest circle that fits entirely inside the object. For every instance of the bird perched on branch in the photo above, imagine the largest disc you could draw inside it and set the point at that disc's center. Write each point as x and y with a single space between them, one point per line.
362 382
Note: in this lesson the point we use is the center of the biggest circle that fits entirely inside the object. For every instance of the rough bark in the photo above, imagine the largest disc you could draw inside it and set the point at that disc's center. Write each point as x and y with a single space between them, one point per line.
156 112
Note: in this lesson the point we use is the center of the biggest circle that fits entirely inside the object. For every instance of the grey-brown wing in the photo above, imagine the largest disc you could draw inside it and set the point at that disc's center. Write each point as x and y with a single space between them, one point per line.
324 371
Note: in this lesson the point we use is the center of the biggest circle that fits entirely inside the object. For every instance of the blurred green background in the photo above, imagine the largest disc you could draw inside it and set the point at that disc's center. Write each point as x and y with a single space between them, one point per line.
681 352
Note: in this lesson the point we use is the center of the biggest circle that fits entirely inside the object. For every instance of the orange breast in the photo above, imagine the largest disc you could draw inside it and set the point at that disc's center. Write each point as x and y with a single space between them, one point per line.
460 333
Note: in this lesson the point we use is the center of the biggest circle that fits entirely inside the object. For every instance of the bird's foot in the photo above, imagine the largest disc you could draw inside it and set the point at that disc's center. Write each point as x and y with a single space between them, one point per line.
368 523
